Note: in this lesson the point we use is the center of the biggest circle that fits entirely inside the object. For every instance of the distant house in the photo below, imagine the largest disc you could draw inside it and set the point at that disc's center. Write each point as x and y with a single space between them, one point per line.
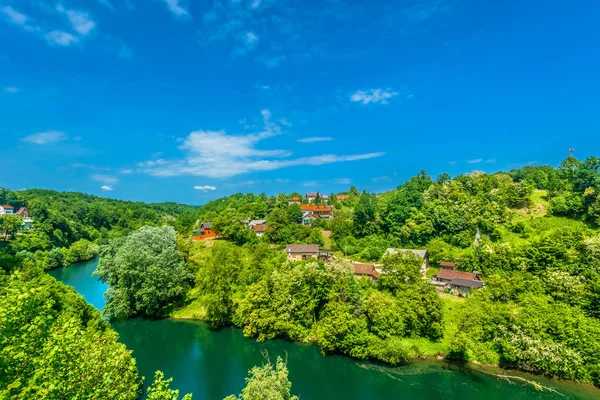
459 282
259 229
6 209
341 197
312 196
23 212
255 222
422 254
27 224
299 252
369 270
293 202
205 232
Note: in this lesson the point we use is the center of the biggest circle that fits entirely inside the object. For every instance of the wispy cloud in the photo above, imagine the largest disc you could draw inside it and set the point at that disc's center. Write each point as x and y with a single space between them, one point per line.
106 179
342 181
310 183
376 96
125 171
46 137
177 7
106 188
452 163
125 52
107 4
248 42
474 161
379 179
315 139
17 18
61 38
205 188
80 20
491 161
216 154
11 89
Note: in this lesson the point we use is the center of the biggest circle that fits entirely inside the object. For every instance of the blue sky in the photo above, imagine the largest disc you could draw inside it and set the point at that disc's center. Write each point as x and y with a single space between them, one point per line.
181 100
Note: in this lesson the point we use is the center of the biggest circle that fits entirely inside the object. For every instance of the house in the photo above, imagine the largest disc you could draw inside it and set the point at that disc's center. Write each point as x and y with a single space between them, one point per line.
368 270
205 232
293 202
259 229
27 224
255 222
422 254
312 196
464 286
6 209
317 211
299 252
341 197
459 282
23 212
308 217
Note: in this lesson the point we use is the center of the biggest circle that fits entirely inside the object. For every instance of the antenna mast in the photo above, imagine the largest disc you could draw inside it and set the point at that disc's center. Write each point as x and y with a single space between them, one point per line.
571 150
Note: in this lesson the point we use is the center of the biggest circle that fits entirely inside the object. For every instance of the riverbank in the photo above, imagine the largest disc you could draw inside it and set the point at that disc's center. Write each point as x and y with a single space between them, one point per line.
422 350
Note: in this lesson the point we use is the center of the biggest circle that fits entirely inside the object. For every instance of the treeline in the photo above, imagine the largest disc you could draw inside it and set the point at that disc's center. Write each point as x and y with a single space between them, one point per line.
69 227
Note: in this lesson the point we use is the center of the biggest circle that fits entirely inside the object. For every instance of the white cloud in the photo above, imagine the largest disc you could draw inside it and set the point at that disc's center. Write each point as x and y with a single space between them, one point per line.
107 4
310 183
18 18
474 161
80 21
107 179
125 171
255 3
285 122
106 188
342 181
216 154
373 96
315 139
205 188
452 163
11 89
250 38
45 137
491 161
176 8
61 38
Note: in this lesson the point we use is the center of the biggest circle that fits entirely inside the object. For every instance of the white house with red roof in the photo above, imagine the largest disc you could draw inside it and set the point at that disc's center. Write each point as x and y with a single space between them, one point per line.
6 209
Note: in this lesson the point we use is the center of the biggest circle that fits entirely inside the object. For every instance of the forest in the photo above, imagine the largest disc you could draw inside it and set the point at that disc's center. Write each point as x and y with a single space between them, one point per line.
531 232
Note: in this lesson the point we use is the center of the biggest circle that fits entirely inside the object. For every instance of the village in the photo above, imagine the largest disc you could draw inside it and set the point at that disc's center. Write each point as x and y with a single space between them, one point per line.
23 222
314 206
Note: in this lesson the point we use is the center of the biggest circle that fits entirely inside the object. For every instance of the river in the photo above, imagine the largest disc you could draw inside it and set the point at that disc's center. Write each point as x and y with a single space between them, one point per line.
212 364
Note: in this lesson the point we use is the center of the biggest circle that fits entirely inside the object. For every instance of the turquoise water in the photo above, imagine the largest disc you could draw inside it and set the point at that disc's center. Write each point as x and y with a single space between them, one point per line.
212 364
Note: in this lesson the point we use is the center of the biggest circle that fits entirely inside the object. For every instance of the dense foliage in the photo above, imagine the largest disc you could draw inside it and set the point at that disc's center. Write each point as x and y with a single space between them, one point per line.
145 273
55 345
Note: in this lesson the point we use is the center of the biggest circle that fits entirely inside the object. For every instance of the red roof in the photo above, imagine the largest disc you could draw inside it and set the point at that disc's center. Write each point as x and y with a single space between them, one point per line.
260 228
7 207
315 208
366 269
451 274
342 196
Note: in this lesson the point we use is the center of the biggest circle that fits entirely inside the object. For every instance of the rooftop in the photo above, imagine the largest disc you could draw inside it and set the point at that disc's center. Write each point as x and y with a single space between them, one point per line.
302 248
467 283
449 274
259 228
365 269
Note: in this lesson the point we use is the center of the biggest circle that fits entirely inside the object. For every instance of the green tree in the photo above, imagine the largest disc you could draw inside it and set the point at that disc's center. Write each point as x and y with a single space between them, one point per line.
161 390
144 273
294 214
10 224
269 382
365 213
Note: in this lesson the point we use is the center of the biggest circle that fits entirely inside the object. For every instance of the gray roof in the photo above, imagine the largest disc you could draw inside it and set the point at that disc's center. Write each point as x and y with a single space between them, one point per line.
466 283
420 253
257 222
206 225
302 248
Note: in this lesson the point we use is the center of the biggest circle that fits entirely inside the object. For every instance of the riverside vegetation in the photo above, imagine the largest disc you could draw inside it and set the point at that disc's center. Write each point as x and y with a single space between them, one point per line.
531 232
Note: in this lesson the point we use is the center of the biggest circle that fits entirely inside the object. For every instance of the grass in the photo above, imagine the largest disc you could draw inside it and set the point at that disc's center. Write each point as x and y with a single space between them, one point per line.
539 226
193 309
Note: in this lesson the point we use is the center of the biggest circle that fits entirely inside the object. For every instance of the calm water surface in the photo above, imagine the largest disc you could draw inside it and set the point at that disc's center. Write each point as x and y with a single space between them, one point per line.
213 364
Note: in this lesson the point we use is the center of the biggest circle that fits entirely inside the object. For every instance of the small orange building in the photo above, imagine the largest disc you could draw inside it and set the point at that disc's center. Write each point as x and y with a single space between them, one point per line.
205 232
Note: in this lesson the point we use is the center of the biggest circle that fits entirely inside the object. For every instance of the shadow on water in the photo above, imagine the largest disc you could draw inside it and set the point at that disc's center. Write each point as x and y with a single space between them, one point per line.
212 364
